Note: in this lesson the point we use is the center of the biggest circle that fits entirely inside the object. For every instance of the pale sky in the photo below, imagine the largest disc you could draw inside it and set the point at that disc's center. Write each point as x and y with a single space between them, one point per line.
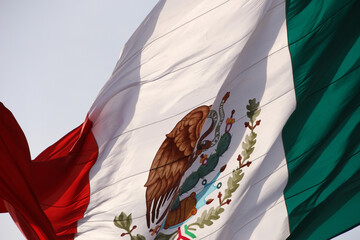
54 58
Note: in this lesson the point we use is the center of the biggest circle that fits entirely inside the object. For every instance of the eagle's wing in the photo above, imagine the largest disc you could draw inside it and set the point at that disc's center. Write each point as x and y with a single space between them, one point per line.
171 162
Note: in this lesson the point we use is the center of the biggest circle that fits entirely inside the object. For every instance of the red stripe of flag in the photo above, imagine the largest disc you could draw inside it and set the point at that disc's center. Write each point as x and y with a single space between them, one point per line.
47 196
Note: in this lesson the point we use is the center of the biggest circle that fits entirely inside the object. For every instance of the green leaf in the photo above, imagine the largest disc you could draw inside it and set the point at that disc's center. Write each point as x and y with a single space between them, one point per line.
117 222
245 155
232 183
207 216
245 145
250 151
207 222
253 111
256 114
227 194
219 210
238 177
123 221
253 135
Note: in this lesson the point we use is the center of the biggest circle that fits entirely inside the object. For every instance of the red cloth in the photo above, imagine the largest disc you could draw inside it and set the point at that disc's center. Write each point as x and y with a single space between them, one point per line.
47 196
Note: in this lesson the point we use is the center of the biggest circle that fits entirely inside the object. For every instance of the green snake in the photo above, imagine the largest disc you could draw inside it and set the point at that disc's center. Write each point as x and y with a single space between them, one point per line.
213 115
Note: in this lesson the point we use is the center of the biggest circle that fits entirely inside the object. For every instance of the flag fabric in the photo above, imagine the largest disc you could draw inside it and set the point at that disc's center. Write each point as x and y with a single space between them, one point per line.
222 120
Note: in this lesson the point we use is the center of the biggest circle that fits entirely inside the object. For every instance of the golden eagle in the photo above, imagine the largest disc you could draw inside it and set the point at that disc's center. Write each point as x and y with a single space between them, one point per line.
175 155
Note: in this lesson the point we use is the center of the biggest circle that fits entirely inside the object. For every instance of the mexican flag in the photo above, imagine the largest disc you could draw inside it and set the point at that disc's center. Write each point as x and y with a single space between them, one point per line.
222 120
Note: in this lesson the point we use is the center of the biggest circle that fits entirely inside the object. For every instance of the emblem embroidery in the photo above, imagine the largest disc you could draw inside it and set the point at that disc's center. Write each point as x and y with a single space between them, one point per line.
164 209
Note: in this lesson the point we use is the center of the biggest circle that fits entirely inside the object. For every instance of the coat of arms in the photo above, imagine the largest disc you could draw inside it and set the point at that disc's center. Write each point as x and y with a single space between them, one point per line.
170 205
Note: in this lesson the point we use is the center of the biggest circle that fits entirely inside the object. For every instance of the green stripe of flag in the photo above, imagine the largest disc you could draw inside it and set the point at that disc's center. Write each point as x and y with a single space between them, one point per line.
322 137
